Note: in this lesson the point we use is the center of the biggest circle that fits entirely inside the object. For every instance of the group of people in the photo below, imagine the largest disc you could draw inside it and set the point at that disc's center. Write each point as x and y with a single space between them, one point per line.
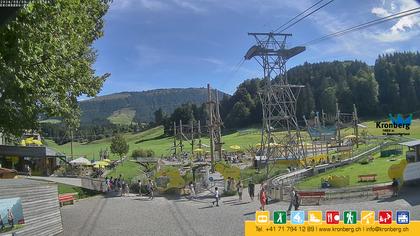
117 185
10 219
121 186
263 197
150 188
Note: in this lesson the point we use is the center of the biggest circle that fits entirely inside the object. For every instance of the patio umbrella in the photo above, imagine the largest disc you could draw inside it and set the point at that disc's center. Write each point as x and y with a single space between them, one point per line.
235 147
100 164
81 161
107 160
199 150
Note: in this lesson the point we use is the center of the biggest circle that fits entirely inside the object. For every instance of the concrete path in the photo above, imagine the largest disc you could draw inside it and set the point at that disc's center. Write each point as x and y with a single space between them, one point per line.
134 215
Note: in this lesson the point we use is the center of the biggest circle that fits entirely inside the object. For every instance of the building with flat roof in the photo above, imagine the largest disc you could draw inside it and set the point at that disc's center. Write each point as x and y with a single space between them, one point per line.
42 160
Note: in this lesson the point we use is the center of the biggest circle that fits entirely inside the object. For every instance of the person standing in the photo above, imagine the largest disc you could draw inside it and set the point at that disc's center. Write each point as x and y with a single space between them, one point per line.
1 223
239 188
251 189
150 189
139 184
395 184
263 197
216 197
10 218
192 190
107 183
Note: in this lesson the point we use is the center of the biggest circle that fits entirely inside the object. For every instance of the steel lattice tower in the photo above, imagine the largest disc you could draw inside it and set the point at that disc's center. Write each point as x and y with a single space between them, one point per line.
280 135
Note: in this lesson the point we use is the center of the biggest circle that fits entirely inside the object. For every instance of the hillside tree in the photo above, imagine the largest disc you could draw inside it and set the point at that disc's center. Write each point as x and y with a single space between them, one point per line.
46 59
119 146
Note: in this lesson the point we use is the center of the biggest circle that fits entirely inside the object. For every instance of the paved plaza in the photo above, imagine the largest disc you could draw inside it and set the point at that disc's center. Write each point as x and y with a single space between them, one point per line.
135 215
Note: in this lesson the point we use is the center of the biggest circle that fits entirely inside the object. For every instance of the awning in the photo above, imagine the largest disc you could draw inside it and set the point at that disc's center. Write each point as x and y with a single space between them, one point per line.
411 143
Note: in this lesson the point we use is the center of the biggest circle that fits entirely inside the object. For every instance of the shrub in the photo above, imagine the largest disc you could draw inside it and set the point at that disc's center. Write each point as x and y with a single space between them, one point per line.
142 153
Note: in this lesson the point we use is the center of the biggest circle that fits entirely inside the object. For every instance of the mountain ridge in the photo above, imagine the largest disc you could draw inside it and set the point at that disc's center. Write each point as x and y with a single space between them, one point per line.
140 105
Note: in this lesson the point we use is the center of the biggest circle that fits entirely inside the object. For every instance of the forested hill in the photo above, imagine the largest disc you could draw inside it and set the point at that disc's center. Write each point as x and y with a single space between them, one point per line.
392 85
139 106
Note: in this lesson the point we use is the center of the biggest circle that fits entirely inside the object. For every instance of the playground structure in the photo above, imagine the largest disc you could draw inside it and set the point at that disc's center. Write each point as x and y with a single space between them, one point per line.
192 133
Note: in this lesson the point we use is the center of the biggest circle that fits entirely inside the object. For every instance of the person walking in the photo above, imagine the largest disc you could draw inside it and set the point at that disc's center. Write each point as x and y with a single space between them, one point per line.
216 197
10 218
263 197
239 189
294 200
251 189
150 189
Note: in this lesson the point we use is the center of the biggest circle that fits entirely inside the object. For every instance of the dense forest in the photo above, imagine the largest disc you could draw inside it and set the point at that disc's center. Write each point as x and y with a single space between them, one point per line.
392 85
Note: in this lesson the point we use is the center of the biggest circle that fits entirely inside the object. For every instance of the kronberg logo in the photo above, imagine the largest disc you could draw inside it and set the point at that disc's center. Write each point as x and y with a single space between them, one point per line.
396 125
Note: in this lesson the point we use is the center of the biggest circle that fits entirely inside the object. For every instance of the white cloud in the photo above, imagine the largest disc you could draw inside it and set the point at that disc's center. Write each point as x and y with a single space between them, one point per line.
390 50
189 5
405 28
152 5
379 11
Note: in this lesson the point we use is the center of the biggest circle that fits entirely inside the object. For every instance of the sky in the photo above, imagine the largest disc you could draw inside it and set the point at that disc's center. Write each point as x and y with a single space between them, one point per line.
151 44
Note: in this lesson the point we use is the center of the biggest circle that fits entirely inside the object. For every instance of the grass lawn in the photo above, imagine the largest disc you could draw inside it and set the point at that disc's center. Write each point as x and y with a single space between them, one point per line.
8 228
161 145
153 139
379 166
128 170
82 192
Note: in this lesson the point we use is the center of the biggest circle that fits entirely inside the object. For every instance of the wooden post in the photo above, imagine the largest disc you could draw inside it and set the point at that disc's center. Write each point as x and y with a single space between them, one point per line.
338 125
356 128
180 136
175 138
210 107
192 137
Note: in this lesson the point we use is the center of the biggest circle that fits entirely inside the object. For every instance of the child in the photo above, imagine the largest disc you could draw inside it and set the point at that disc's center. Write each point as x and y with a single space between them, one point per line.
263 198
216 196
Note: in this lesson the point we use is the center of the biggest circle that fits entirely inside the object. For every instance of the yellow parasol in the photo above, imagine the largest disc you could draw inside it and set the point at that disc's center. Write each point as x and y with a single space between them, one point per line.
235 147
107 160
100 164
199 150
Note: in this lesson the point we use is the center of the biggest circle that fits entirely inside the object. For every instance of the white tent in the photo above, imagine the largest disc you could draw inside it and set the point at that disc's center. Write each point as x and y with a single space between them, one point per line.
81 161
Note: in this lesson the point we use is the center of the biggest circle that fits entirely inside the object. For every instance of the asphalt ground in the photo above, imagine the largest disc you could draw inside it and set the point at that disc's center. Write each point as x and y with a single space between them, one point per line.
134 215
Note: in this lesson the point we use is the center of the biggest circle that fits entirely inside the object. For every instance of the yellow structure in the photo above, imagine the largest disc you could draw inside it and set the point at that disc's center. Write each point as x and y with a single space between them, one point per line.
397 170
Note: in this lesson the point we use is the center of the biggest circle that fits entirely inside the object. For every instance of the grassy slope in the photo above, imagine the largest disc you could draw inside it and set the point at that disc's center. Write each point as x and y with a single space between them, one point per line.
379 166
123 116
153 139
82 193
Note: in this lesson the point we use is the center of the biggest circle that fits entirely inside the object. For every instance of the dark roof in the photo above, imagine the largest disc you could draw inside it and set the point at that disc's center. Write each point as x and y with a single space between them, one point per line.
411 143
28 151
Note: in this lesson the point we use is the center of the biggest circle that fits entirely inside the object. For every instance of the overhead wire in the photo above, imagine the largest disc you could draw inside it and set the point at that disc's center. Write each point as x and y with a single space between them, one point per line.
305 16
307 9
365 25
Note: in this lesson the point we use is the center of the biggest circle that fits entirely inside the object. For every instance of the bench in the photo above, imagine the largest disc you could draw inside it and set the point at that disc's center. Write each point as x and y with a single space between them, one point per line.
311 195
67 197
381 189
367 178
